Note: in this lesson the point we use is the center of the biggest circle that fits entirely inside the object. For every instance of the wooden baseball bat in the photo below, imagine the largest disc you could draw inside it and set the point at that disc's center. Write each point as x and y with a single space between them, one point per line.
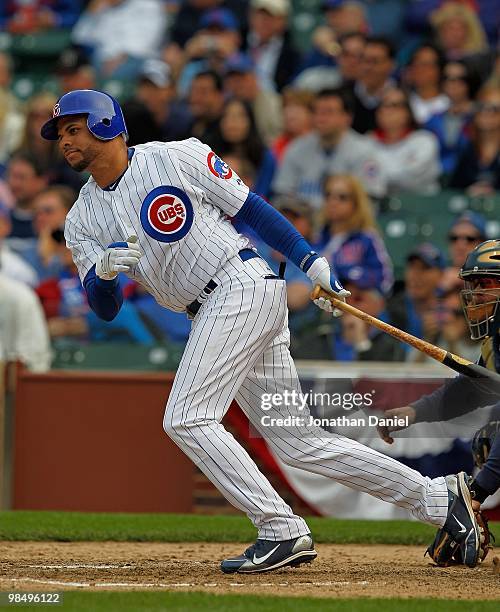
455 362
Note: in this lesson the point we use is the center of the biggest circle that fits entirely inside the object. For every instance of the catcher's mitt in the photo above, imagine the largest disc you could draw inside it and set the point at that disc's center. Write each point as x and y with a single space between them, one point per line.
445 551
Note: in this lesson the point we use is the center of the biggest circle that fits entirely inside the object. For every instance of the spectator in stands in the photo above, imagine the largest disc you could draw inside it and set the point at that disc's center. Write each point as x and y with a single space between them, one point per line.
30 16
23 332
421 303
11 127
239 135
342 68
121 34
418 17
13 265
156 91
423 75
355 340
206 101
302 314
461 36
350 240
269 43
408 156
345 16
68 314
26 177
209 49
467 231
74 70
377 66
341 18
187 19
241 82
39 110
297 118
451 127
478 168
50 208
332 147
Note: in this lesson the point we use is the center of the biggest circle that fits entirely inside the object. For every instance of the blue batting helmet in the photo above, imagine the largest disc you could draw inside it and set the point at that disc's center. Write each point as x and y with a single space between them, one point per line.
104 115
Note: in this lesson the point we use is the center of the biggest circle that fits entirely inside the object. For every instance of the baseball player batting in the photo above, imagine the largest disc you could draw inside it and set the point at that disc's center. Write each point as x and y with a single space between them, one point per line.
159 212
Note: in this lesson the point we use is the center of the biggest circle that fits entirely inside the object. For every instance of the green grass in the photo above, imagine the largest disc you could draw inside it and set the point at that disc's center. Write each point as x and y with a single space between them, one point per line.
206 602
77 526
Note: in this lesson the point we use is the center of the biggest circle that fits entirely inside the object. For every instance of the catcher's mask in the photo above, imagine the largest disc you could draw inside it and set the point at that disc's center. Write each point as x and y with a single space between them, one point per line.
481 294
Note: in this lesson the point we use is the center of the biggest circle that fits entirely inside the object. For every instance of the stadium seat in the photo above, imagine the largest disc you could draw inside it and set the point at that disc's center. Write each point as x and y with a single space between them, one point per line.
109 356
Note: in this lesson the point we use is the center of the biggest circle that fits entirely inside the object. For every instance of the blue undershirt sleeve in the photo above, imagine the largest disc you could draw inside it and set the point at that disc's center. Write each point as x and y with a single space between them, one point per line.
105 296
276 231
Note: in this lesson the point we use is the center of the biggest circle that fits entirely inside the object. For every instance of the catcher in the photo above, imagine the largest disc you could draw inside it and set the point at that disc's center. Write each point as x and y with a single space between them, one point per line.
481 304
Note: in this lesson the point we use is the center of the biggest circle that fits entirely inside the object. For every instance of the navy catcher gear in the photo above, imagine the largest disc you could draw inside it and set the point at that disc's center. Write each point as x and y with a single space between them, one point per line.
104 116
482 441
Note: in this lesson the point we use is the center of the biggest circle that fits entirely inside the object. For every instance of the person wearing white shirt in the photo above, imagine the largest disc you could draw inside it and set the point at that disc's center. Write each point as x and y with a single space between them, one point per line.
408 156
23 331
121 34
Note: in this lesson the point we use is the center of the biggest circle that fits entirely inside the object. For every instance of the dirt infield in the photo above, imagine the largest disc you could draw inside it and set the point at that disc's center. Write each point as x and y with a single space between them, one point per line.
343 571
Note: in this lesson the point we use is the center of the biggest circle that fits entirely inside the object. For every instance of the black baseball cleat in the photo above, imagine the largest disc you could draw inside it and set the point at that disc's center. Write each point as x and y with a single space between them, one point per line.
265 555
460 531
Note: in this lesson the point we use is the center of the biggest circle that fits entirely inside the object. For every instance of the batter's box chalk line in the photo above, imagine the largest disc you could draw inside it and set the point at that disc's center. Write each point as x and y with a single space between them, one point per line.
170 585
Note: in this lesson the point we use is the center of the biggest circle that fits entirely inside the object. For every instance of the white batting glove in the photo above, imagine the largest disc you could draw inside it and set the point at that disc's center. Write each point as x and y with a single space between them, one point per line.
321 274
118 257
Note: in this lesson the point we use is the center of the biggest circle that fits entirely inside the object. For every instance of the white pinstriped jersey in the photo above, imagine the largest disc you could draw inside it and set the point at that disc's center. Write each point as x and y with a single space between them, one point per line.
175 197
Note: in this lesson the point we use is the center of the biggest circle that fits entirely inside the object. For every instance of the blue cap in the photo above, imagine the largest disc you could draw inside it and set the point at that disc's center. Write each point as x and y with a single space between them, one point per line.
219 18
239 62
475 219
429 254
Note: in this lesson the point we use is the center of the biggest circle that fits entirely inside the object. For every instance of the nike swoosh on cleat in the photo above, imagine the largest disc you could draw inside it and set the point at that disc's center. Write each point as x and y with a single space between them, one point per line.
259 560
463 530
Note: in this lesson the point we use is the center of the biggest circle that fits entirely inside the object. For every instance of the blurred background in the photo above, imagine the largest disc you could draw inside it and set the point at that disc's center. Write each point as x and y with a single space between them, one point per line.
374 126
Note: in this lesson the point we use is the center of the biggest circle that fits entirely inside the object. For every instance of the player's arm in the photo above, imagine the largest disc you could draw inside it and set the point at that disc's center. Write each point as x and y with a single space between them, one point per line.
282 236
99 269
455 398
101 281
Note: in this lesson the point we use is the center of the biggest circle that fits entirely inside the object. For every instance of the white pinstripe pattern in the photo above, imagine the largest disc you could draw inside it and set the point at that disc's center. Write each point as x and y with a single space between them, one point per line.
175 273
238 346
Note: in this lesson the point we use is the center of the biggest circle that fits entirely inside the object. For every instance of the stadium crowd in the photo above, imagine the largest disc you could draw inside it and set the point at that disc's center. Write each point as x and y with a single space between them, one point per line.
389 97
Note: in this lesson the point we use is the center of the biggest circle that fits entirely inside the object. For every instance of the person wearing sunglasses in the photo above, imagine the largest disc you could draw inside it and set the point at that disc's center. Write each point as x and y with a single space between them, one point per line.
408 156
451 127
466 232
478 167
350 239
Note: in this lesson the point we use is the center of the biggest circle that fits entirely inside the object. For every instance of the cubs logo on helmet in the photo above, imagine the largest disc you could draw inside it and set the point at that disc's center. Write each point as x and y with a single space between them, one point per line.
167 214
218 167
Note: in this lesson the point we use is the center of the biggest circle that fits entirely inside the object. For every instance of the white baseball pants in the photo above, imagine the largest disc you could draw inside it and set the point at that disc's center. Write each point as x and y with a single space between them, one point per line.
238 349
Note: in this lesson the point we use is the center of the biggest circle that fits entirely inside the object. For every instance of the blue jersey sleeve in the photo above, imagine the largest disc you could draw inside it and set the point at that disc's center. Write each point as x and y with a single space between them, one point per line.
276 231
105 296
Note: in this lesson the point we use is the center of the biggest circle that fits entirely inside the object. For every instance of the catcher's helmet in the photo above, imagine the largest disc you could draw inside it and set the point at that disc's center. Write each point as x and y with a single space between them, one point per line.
481 294
482 441
104 115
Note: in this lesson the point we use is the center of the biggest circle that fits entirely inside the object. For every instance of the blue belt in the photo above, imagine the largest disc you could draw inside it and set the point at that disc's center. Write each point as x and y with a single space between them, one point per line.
192 309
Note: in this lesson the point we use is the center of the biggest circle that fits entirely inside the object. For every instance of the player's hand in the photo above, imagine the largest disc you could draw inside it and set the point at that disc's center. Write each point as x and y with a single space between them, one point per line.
321 274
118 257
405 412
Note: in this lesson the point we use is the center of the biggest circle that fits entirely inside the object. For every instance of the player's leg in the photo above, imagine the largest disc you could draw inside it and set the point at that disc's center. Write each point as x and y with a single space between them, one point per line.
232 329
331 455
